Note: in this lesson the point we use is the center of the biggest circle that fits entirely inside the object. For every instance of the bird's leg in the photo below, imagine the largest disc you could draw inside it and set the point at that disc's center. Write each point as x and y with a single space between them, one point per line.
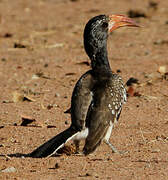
77 143
77 152
114 150
107 137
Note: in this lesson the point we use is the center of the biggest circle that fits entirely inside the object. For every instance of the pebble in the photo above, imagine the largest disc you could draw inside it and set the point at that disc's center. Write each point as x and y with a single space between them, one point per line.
9 169
146 53
57 95
34 76
155 151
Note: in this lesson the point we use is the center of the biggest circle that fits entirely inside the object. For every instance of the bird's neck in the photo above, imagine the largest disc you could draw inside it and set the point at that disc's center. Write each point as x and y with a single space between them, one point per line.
99 60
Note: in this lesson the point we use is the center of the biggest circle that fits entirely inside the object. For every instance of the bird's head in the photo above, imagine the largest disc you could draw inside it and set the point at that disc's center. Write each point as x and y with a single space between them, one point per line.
97 30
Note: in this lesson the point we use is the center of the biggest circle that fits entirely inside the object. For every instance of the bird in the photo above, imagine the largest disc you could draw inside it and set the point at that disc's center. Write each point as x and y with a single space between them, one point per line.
98 95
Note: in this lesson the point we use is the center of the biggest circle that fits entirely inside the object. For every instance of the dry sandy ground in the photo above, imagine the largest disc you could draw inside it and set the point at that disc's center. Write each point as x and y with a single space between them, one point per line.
42 56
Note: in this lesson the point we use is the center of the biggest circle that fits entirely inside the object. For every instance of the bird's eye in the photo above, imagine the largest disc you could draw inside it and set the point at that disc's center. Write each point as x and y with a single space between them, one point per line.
105 25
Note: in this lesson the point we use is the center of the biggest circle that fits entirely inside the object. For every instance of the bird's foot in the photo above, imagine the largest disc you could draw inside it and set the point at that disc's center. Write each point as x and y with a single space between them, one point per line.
114 150
123 152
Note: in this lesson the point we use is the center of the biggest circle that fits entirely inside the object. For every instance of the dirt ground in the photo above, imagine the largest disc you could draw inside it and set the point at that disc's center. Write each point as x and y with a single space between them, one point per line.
42 57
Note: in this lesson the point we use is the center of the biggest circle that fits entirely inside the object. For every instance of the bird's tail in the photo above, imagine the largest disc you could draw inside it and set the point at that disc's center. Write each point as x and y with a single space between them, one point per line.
51 146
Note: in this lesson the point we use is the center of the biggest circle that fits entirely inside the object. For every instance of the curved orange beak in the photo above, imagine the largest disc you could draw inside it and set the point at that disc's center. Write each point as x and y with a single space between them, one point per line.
117 21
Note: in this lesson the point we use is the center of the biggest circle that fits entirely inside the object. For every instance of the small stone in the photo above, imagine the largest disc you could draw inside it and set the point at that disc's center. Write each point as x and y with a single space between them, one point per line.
87 174
153 5
50 106
136 14
7 101
162 69
157 42
146 53
26 120
51 126
155 151
9 169
3 59
45 65
56 166
57 95
160 42
7 35
35 76
129 44
19 45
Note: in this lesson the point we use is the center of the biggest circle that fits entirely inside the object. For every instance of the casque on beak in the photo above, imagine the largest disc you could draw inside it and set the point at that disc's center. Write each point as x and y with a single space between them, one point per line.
117 21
